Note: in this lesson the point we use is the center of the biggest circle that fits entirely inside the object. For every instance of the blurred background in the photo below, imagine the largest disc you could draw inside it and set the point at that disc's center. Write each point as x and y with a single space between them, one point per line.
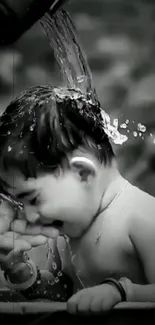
118 37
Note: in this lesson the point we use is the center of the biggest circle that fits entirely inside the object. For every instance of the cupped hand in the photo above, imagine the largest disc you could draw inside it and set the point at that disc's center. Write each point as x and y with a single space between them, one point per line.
13 245
24 228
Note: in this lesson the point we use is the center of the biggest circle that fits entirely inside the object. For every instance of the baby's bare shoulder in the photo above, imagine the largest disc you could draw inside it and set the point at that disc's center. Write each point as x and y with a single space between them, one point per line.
143 205
142 215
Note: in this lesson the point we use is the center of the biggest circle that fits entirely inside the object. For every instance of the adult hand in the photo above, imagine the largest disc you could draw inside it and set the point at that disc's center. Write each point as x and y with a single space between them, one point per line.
13 245
24 228
6 216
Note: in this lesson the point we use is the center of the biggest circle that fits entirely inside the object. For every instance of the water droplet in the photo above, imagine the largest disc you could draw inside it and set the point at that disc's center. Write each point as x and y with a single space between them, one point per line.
151 134
56 279
123 126
80 105
32 127
45 292
9 148
9 132
154 141
127 121
58 295
135 134
81 78
39 281
141 127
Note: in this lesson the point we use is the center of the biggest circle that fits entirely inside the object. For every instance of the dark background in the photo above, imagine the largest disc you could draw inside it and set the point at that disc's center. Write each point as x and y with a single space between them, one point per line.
118 37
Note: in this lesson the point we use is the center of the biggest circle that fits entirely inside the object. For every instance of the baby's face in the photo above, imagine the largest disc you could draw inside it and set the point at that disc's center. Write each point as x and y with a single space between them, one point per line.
63 201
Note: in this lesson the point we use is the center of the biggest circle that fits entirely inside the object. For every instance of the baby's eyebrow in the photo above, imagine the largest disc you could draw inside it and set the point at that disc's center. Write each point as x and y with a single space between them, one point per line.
24 194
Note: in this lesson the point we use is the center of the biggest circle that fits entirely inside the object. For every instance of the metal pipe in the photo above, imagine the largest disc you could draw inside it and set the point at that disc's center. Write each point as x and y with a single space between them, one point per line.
17 16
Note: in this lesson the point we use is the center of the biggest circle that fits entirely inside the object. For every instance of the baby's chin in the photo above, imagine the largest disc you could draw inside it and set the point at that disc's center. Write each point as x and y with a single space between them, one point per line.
73 231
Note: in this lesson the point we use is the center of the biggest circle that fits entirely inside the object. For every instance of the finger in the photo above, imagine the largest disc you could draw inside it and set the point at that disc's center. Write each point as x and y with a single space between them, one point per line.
22 227
50 232
11 234
21 245
34 241
84 305
96 305
11 243
19 226
4 224
72 303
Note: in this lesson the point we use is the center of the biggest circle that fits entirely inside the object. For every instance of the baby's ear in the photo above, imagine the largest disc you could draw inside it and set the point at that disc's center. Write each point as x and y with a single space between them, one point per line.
84 166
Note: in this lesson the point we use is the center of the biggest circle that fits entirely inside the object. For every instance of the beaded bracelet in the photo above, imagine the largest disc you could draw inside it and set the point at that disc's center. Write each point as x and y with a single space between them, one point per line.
118 285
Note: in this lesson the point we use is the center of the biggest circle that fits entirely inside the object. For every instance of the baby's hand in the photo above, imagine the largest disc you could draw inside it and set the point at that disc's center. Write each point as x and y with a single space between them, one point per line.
13 245
93 300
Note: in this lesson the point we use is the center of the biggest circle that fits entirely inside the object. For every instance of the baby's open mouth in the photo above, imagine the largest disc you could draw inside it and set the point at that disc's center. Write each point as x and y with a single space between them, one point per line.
58 224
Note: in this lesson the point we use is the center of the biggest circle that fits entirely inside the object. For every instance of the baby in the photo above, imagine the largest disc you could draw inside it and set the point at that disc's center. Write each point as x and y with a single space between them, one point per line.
56 159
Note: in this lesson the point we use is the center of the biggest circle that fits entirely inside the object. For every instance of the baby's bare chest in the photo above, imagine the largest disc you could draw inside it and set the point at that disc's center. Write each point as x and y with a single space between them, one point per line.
108 253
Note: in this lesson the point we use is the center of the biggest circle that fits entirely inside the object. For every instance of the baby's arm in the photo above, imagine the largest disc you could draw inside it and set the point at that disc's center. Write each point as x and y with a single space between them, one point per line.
142 235
106 295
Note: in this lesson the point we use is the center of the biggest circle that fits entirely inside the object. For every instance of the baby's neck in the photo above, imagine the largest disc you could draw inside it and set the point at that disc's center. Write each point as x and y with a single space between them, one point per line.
114 188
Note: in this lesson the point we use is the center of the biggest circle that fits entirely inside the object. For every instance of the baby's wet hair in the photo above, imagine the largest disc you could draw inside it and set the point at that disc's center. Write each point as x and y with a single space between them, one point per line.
44 124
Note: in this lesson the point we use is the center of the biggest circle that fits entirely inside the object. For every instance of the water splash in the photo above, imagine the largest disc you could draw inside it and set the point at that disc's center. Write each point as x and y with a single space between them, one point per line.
141 127
9 148
75 70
